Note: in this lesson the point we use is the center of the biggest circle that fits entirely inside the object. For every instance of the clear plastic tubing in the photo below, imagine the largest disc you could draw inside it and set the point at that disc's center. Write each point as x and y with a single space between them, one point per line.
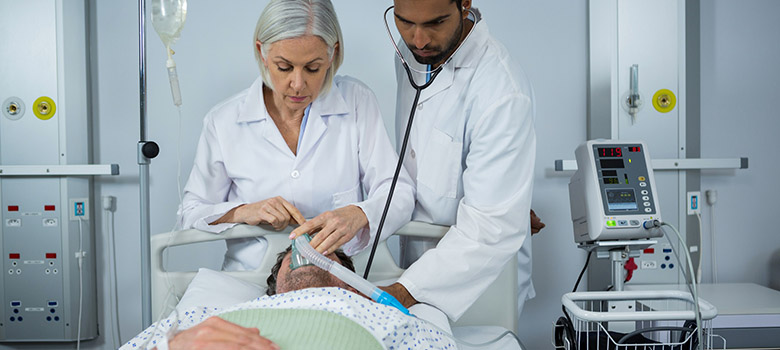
346 275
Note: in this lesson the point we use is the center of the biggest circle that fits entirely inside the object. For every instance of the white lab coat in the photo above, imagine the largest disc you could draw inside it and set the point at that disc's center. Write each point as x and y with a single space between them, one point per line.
344 152
471 154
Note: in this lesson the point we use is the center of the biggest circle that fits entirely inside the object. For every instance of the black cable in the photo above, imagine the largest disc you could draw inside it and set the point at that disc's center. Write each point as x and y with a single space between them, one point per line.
400 164
587 261
579 278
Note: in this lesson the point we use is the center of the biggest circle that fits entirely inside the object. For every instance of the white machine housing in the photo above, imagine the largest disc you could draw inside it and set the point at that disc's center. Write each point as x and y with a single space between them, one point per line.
612 194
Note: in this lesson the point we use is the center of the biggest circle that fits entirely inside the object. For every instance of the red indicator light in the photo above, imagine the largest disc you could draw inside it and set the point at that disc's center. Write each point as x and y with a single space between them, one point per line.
14 256
51 255
48 207
649 251
13 208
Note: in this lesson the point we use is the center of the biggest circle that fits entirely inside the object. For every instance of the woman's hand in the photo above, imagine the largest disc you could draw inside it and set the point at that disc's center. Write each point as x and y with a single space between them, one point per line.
275 211
333 228
216 333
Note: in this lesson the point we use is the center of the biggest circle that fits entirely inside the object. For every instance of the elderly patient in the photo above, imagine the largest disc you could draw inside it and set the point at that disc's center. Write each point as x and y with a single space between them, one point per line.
304 308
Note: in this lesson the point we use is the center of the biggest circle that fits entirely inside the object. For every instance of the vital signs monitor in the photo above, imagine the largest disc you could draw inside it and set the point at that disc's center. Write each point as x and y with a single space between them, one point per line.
612 194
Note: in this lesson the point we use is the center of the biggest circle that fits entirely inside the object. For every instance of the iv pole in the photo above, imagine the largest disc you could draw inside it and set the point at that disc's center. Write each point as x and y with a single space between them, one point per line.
146 151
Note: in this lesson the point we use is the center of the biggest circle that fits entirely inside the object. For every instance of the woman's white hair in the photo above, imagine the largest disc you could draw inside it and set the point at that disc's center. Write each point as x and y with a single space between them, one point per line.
288 19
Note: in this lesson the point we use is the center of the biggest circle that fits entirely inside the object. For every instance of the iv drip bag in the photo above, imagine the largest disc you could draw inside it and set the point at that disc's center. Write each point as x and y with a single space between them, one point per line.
168 18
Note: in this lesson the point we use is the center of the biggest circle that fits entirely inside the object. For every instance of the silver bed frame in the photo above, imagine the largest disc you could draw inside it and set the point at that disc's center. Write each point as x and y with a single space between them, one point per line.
497 307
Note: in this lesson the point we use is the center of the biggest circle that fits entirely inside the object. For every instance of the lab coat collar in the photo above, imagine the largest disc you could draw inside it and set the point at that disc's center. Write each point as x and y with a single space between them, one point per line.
330 104
253 109
468 55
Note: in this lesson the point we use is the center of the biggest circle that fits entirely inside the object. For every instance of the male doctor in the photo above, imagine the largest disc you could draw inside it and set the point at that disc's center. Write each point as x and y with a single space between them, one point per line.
471 153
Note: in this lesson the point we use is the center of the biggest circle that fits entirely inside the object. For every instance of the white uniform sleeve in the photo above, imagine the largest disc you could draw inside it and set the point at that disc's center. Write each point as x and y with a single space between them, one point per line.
377 165
492 218
206 192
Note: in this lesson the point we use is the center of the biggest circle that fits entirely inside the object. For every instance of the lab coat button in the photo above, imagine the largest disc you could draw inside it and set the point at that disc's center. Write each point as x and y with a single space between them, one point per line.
412 154
295 174
420 106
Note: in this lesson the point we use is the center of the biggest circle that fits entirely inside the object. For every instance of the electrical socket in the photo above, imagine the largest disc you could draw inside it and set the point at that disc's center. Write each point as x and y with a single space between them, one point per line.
694 202
648 264
79 209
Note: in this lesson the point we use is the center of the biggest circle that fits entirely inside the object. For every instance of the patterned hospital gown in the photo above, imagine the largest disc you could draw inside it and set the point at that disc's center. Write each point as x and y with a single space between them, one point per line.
392 328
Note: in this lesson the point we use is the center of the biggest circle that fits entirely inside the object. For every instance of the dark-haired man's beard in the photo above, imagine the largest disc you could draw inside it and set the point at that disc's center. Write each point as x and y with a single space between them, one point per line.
442 54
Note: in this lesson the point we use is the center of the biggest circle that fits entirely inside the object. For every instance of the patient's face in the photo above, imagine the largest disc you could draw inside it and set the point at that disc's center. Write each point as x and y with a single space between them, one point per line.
309 276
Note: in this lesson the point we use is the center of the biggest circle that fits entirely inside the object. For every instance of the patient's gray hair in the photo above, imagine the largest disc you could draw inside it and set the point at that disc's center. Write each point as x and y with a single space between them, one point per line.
346 261
289 19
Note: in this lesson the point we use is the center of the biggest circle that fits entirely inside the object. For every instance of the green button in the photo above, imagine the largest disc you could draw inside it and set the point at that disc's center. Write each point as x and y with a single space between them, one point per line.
610 222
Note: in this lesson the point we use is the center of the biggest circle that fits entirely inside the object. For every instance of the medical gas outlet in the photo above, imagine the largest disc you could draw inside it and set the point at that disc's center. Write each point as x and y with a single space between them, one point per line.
664 101
44 108
13 108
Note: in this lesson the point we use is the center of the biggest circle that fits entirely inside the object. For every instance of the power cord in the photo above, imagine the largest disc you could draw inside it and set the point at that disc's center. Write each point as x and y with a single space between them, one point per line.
80 258
701 249
690 276
109 206
712 198
565 324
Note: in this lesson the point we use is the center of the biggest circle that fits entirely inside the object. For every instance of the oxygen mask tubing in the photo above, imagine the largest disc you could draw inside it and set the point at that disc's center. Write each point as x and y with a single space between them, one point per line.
305 251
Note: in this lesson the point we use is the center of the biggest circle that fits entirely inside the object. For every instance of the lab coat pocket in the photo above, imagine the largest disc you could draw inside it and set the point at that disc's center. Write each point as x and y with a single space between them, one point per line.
347 197
440 167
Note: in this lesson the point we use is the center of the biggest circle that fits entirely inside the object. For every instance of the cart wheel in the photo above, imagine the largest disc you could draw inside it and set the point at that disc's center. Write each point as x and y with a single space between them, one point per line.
564 330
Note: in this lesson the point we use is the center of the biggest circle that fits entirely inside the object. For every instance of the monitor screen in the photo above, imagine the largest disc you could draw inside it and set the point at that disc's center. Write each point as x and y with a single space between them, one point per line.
621 200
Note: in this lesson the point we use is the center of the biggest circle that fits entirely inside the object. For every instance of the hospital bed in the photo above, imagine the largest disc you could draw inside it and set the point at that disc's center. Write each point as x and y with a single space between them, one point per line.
492 314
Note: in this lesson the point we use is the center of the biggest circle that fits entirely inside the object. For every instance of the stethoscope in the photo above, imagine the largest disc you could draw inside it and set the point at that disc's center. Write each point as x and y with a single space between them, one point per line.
431 74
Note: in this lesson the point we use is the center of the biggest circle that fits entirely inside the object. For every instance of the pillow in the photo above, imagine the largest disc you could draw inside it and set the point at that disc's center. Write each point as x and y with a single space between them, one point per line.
216 289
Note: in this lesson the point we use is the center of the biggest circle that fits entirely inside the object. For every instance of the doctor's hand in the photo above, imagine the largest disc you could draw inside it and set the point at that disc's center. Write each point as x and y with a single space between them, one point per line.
334 228
399 292
536 223
216 333
275 211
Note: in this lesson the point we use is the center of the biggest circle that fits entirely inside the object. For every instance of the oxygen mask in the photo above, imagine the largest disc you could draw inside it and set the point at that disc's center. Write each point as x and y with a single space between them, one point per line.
296 258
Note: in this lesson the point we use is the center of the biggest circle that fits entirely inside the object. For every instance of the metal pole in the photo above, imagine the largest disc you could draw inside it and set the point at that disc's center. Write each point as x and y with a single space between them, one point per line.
143 173
617 257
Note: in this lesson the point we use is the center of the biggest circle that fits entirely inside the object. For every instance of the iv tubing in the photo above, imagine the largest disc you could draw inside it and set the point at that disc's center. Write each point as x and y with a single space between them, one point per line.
344 274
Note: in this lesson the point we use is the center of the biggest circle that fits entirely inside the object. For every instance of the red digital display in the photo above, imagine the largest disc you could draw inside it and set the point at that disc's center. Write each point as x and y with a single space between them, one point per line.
48 207
635 149
605 152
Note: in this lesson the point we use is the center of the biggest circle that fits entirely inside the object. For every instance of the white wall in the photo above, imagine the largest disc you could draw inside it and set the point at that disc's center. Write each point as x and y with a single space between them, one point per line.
739 84
740 52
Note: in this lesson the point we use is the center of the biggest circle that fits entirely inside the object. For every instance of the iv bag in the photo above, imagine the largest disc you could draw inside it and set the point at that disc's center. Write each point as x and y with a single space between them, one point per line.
168 18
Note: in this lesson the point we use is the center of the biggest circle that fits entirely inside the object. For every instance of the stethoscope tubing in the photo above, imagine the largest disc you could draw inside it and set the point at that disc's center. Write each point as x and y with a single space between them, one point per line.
418 90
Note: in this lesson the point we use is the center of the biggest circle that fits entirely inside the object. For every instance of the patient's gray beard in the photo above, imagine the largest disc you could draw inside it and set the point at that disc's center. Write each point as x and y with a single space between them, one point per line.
308 277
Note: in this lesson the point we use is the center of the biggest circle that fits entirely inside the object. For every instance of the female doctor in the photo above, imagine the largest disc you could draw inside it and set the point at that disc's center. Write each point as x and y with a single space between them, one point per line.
297 144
